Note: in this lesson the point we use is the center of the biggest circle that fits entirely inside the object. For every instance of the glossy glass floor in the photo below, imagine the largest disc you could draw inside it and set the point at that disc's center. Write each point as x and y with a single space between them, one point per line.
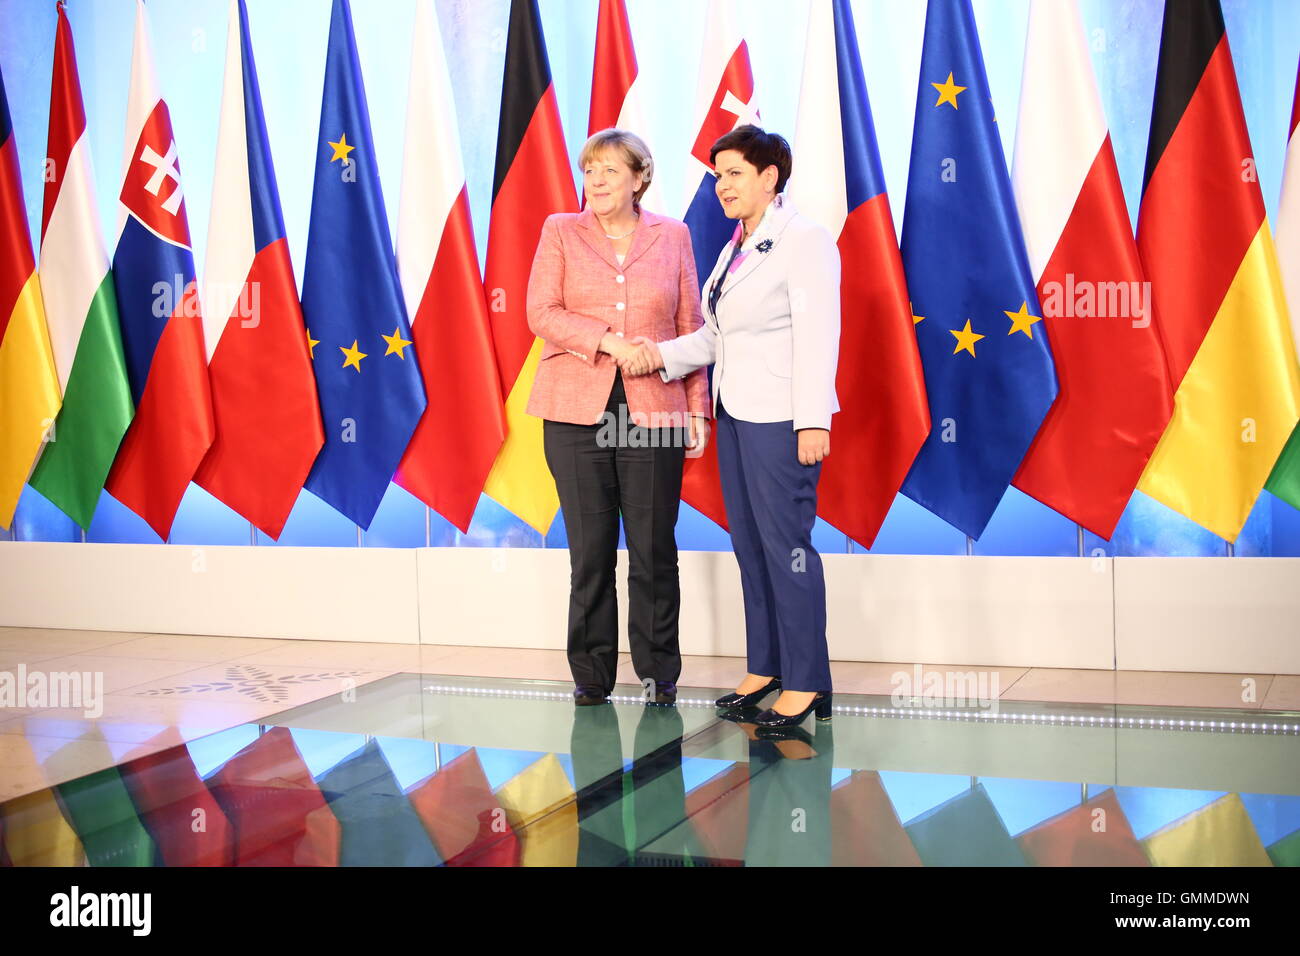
421 770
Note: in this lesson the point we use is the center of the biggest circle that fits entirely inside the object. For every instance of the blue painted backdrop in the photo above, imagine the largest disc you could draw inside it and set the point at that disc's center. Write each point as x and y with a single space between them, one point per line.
289 40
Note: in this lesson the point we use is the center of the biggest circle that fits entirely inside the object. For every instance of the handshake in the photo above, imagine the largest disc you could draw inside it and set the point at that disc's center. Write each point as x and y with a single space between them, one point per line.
638 356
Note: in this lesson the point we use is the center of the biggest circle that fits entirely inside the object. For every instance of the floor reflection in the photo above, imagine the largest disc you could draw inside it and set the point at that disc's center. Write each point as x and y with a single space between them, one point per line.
418 770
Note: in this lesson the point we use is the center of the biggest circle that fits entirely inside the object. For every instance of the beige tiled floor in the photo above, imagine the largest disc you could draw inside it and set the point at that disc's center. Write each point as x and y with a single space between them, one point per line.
163 689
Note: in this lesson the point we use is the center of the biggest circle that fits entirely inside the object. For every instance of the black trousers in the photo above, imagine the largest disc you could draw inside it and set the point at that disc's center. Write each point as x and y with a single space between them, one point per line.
603 471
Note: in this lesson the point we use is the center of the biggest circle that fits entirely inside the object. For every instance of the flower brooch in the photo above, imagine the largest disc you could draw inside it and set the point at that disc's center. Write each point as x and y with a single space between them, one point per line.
764 246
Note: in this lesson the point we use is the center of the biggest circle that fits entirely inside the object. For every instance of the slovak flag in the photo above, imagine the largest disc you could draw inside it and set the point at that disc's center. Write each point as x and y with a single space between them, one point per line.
263 391
158 303
724 100
838 182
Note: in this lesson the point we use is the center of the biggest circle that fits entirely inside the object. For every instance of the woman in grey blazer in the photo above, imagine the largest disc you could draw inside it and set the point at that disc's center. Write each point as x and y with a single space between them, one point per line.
771 331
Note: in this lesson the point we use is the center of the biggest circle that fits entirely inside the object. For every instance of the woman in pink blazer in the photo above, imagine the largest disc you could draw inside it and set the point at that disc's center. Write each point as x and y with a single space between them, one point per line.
601 278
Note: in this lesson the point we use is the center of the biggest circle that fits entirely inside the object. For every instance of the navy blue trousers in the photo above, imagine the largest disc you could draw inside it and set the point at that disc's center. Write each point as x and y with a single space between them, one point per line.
771 504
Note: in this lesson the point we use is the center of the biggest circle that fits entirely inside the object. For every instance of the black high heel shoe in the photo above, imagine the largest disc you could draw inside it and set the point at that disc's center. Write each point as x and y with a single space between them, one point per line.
821 704
748 700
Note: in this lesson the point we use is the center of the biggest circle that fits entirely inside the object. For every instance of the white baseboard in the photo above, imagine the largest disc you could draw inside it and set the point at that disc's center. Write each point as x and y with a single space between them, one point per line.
1236 615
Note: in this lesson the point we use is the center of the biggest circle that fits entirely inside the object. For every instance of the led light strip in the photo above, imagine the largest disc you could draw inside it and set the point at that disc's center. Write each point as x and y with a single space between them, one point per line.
845 710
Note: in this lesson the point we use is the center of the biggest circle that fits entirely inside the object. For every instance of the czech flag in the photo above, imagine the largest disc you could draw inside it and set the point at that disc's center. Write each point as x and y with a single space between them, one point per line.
838 181
263 392
162 327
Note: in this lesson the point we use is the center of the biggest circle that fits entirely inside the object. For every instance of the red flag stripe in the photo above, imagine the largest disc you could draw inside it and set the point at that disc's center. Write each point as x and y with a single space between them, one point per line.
452 332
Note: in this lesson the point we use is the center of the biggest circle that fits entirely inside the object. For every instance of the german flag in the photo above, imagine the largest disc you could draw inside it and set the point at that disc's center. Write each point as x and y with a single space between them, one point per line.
30 397
533 180
1204 240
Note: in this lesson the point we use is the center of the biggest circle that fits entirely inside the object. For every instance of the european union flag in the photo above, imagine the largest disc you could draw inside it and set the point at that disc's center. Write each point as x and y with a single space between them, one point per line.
371 393
988 368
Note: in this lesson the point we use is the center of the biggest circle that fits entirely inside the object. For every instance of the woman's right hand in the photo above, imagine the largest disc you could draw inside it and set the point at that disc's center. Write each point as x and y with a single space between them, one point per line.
617 346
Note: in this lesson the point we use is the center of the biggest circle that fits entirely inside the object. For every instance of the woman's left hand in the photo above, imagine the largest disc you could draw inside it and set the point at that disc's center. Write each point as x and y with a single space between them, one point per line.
699 436
814 445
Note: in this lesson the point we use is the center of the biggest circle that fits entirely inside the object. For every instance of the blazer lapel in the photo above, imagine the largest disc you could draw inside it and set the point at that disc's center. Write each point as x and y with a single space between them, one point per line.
777 222
594 236
646 235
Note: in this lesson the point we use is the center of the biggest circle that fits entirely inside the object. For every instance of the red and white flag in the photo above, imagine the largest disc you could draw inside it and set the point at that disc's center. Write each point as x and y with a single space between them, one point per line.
1115 393
463 426
263 389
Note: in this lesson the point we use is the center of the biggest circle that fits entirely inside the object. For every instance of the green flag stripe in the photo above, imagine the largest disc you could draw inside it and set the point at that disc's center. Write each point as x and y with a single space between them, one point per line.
97 409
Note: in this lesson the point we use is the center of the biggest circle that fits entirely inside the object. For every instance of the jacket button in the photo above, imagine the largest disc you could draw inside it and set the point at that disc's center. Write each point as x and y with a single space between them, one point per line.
619 277
620 306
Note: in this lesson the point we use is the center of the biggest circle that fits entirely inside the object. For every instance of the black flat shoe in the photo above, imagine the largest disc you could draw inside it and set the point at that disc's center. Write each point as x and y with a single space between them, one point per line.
749 700
586 696
821 704
665 693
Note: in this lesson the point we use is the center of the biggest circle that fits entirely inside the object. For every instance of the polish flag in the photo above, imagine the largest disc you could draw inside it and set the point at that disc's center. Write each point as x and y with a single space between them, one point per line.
838 182
615 93
158 305
724 100
1115 392
462 429
263 390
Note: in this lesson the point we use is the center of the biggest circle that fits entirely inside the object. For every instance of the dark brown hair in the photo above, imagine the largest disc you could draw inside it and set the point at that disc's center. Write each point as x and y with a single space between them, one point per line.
761 149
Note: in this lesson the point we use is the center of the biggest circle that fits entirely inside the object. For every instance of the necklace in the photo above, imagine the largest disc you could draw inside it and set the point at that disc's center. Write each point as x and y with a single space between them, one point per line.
626 234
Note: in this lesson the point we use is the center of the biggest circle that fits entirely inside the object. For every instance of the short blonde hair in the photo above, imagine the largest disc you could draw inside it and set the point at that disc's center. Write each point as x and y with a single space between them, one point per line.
631 147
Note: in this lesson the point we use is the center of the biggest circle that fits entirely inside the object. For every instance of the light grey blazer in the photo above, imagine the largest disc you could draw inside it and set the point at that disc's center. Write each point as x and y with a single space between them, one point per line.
775 341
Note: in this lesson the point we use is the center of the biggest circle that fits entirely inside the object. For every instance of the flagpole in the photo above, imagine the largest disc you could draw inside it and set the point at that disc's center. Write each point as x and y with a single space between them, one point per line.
1079 528
427 538
970 545
252 534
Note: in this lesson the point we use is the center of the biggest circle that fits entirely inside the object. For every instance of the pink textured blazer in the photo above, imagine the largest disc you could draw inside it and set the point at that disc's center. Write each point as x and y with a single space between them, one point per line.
577 291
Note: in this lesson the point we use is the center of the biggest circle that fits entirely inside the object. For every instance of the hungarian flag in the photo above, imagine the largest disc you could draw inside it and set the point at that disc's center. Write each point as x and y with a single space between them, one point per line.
988 368
162 329
29 384
80 307
724 99
263 391
447 462
1114 399
100 809
1285 479
838 182
533 180
615 95
367 374
1204 239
